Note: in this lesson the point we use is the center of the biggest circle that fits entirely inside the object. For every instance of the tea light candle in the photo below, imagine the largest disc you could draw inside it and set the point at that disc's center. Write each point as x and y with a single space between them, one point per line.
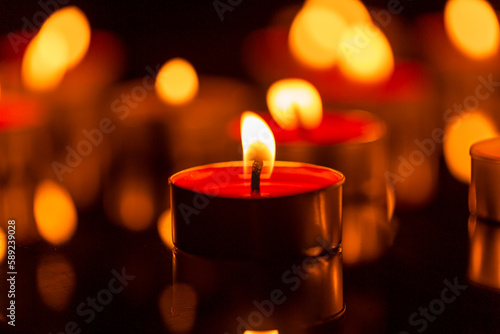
216 212
484 191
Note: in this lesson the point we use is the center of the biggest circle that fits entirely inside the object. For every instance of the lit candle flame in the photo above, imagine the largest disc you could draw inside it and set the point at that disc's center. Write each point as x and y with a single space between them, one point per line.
365 54
472 26
258 143
293 103
177 82
460 135
55 213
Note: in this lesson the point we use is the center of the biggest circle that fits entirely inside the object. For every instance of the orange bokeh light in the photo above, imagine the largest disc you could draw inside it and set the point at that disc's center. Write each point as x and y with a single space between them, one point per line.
61 43
460 135
365 54
314 36
177 82
55 213
472 26
3 245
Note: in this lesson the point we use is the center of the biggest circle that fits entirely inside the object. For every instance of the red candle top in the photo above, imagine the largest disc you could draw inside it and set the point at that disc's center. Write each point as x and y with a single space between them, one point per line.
335 128
18 112
226 180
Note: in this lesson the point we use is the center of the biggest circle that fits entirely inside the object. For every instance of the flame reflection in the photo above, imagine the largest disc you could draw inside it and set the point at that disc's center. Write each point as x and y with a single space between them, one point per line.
178 307
56 280
484 253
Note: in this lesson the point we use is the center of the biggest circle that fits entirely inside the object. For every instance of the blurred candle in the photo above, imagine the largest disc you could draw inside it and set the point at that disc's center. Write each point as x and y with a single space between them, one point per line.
55 213
484 253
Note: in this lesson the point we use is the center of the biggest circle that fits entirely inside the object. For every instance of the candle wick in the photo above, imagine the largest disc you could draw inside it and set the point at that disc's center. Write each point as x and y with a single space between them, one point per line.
255 184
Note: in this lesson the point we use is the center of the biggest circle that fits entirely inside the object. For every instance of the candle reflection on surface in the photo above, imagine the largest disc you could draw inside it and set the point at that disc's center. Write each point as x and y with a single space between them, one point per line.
262 332
367 233
228 292
136 204
484 253
54 212
178 307
56 280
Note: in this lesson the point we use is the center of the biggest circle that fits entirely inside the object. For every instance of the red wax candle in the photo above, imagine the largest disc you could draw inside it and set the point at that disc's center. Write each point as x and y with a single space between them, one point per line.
214 213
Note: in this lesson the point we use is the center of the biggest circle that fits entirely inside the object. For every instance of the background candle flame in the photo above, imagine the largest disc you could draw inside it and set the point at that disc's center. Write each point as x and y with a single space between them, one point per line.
61 44
365 54
258 143
3 244
317 29
177 82
472 26
460 135
294 103
55 213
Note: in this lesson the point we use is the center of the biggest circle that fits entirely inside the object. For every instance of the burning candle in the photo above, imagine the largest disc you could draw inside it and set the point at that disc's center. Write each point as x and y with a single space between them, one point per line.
485 181
351 141
484 253
399 92
243 210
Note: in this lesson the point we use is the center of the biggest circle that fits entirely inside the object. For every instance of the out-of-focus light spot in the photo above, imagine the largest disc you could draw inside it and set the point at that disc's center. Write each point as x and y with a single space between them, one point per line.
177 82
55 278
275 331
74 27
45 61
165 228
3 244
178 306
61 43
293 103
460 135
352 11
472 26
314 36
136 206
55 213
365 54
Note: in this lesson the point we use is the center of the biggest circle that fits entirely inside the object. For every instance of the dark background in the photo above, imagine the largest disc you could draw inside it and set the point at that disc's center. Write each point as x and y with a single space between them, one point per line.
155 31
431 244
